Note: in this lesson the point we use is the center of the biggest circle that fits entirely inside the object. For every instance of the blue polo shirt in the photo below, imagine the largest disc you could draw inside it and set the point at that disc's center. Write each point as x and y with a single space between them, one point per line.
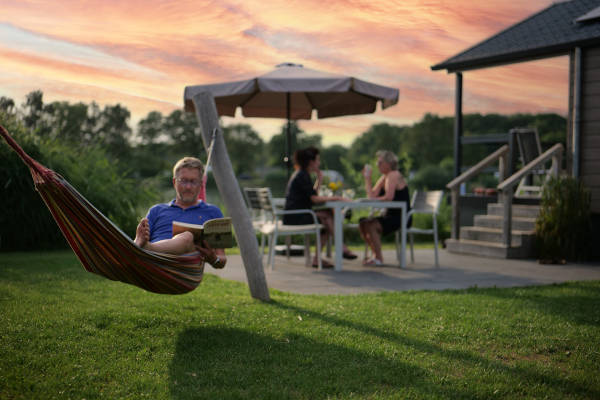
161 217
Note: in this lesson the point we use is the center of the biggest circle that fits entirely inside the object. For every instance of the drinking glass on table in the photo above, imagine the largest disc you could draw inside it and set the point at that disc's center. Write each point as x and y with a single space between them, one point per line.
349 193
325 191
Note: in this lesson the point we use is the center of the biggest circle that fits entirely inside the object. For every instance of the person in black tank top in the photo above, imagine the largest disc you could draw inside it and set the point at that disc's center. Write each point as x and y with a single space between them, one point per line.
389 187
301 193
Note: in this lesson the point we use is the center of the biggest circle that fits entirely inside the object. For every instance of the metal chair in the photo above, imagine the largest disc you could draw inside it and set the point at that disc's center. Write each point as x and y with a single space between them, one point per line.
257 214
270 223
423 203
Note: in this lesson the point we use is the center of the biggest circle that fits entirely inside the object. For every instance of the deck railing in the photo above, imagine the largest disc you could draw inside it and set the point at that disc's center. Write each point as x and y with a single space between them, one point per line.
500 155
506 187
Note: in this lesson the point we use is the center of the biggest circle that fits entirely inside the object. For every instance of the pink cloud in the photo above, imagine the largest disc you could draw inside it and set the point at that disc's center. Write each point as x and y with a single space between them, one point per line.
189 42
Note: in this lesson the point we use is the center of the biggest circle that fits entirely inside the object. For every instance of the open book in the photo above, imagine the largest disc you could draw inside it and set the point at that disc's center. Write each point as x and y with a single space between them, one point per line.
217 232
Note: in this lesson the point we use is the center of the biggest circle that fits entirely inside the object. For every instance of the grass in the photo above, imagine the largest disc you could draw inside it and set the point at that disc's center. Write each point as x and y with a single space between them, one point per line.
66 333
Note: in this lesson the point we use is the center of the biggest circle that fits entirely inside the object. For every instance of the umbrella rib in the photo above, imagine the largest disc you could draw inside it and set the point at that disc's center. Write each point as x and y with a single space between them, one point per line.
250 95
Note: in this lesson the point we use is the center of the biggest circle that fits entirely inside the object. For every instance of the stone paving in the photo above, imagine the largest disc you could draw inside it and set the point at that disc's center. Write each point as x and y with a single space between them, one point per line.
455 272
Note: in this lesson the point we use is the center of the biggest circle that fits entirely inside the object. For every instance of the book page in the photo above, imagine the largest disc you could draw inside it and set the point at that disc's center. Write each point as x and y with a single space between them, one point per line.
217 225
217 232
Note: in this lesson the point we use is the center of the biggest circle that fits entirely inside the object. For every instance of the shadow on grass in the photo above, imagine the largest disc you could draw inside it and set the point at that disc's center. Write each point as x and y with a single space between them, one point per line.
577 304
231 363
470 362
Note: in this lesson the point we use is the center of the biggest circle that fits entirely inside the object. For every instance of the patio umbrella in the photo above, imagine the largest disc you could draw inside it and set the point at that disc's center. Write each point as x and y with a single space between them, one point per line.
291 91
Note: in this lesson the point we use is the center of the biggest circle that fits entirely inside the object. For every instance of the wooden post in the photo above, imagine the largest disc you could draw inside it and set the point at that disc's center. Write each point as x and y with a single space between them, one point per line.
208 119
556 164
458 125
507 215
503 168
455 234
512 152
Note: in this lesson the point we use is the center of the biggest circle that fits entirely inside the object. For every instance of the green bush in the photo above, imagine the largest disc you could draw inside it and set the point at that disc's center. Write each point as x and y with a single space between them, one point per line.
563 225
29 224
99 180
25 222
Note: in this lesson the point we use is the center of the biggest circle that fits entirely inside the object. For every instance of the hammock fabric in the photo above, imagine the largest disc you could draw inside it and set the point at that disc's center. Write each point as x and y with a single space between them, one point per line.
100 245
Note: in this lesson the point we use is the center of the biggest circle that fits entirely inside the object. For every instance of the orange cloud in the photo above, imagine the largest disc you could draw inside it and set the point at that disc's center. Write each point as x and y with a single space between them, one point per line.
143 53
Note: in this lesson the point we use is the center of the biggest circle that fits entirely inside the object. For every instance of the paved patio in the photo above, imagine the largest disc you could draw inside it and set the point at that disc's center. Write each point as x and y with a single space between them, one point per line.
455 272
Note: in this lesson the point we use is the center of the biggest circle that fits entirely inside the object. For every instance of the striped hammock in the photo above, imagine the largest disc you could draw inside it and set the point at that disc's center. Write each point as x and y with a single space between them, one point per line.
100 245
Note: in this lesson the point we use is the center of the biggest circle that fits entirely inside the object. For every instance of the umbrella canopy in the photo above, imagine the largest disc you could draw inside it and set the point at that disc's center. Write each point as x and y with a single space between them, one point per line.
293 92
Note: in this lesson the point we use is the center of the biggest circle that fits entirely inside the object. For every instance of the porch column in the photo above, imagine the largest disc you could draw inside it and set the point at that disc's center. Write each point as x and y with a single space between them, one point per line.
458 125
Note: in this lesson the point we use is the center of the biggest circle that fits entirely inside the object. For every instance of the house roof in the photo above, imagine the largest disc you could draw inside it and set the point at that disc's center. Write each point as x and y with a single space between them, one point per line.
551 32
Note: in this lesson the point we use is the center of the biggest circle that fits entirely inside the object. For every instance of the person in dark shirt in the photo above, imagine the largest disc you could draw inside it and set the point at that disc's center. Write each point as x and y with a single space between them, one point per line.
302 193
391 186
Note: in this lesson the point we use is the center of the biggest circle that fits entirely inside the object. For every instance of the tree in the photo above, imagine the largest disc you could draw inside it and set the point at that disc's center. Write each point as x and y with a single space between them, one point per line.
180 127
65 121
150 128
429 141
331 157
378 137
113 131
245 147
33 110
7 105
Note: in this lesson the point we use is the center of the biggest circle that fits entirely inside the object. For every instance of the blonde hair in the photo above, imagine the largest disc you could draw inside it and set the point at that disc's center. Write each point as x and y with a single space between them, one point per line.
388 157
188 162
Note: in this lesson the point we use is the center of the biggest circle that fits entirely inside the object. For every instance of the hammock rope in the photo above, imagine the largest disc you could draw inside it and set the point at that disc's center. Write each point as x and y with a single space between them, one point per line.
101 246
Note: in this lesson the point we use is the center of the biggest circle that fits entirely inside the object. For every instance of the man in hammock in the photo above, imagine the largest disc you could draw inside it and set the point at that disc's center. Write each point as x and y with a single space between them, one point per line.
155 230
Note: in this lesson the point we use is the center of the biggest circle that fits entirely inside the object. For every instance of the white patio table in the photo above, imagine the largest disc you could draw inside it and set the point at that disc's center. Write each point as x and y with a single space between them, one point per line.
338 218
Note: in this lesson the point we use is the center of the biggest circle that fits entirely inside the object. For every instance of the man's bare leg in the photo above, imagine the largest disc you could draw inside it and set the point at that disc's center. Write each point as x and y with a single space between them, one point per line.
179 244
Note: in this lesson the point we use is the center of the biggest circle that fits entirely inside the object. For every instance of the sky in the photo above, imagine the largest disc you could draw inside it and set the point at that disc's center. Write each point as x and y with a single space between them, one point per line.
142 54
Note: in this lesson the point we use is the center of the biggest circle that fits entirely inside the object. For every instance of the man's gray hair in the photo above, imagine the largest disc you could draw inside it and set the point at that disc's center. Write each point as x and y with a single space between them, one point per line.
188 162
388 157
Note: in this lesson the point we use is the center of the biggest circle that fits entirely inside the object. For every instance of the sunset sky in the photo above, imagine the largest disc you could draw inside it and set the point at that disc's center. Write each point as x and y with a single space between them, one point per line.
142 54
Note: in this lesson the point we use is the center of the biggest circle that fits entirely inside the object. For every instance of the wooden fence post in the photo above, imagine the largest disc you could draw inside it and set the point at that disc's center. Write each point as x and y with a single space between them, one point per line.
208 119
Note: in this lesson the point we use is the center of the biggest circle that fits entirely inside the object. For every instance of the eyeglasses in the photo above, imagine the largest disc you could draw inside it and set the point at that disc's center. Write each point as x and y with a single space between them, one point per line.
188 182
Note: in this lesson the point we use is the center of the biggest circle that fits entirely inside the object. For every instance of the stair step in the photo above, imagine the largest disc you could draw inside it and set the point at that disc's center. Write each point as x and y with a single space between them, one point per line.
518 210
487 249
495 221
518 237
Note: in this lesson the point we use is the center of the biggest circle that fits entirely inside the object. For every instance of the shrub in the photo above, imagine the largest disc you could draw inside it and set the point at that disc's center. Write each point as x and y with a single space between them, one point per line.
25 222
99 180
563 226
29 224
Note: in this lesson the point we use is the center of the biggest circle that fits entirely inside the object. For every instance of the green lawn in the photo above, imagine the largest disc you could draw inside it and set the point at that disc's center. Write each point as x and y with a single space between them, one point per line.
66 333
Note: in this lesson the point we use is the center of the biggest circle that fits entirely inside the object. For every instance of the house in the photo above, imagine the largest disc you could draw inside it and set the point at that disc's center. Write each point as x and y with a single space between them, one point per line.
569 28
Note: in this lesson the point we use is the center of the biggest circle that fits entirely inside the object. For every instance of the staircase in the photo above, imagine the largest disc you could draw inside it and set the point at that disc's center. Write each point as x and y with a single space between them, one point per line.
485 238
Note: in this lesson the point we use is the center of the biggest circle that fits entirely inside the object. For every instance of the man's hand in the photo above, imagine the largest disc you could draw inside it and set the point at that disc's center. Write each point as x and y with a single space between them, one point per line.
210 255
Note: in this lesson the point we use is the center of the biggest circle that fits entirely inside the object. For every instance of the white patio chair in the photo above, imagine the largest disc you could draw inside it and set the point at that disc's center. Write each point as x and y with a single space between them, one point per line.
257 213
272 226
423 203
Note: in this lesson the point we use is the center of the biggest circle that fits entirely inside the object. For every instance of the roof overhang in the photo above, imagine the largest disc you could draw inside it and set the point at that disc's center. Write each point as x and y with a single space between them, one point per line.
512 58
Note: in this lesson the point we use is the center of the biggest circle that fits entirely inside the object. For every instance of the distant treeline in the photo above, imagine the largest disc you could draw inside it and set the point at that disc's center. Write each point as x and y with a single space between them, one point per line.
122 170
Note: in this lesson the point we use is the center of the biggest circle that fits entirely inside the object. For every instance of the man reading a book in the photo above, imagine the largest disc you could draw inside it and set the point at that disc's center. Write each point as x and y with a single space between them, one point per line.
155 231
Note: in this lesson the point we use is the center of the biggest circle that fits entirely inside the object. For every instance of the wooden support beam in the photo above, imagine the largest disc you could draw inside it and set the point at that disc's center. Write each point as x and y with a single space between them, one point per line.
208 119
458 125
455 233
